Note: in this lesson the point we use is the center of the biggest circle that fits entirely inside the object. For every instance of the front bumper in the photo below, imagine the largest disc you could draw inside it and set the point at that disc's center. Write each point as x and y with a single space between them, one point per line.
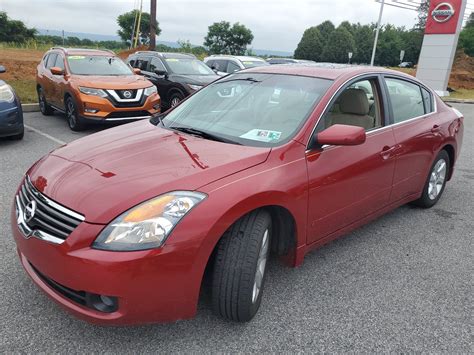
11 120
102 109
159 285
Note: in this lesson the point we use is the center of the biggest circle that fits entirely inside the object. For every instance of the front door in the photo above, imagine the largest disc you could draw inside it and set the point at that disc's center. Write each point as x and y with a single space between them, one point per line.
348 183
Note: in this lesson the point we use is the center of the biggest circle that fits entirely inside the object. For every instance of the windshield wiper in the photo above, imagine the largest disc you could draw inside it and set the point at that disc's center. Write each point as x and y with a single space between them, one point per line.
203 134
253 80
158 119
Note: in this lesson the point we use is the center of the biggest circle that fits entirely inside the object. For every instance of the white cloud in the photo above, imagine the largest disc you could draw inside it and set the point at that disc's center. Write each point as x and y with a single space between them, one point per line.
276 24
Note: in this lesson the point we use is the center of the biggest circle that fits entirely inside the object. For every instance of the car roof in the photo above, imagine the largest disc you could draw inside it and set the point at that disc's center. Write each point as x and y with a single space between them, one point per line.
83 51
322 70
239 57
171 55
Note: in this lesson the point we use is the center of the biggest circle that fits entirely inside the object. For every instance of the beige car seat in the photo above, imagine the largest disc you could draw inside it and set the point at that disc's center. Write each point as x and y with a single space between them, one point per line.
353 110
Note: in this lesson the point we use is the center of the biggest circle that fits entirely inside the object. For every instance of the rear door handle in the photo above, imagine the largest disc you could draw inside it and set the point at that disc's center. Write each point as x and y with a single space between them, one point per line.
387 151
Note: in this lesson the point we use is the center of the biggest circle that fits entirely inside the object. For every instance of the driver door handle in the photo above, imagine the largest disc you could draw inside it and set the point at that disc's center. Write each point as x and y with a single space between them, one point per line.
387 151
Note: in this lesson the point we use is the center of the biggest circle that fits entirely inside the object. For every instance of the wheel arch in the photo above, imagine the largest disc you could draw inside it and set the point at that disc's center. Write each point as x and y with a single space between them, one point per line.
449 148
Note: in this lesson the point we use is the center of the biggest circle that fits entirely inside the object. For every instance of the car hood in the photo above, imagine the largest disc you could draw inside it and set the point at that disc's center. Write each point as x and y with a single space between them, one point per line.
112 82
105 174
196 79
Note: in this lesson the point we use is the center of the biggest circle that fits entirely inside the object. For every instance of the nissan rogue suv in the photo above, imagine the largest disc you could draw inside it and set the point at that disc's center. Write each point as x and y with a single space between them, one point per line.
176 75
88 84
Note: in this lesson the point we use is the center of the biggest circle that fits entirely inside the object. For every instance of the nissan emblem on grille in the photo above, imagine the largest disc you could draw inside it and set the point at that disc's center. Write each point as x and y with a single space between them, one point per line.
127 94
30 210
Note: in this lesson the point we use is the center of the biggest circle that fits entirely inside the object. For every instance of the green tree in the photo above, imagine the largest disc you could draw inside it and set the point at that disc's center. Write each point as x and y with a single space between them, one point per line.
466 38
422 15
126 23
222 38
389 46
73 41
14 30
411 44
364 39
339 44
310 46
326 29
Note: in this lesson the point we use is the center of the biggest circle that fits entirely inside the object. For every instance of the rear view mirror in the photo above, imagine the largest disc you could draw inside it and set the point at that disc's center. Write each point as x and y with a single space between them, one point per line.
339 134
137 71
2 69
57 71
161 72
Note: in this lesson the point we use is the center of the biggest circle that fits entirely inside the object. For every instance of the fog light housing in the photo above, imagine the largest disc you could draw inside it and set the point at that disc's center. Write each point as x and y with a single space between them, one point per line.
90 110
102 303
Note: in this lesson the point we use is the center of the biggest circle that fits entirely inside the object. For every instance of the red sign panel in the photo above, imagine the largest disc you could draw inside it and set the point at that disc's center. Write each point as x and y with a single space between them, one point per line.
443 16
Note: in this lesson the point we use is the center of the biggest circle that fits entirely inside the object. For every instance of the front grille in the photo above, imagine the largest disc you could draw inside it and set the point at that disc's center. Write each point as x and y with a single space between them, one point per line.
41 217
121 93
127 114
117 98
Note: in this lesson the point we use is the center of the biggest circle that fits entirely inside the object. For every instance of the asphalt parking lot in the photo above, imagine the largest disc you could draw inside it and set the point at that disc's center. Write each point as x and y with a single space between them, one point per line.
401 284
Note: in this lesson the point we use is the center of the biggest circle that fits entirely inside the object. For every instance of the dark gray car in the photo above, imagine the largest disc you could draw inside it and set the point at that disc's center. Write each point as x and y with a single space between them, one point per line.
11 114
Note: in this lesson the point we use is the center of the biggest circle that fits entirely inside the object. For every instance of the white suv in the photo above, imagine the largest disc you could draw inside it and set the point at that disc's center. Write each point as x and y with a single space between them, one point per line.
227 64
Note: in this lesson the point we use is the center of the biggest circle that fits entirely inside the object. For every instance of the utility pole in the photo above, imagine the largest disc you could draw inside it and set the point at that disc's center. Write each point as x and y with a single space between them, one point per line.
137 33
152 25
379 24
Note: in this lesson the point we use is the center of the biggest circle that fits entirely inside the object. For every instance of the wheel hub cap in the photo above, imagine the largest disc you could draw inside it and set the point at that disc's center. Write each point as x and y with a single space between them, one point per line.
437 177
261 264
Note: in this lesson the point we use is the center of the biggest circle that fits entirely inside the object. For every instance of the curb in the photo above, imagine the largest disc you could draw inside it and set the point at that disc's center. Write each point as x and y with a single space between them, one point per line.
459 101
30 107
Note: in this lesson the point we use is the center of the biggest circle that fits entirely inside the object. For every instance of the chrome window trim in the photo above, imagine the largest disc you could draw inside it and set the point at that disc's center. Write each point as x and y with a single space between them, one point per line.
137 97
369 133
28 232
51 203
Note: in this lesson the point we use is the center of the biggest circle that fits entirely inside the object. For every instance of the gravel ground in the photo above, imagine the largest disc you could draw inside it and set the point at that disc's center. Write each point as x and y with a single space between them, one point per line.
400 284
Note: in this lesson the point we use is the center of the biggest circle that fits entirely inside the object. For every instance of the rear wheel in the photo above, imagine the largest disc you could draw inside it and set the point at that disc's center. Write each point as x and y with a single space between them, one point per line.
45 109
240 264
436 181
75 122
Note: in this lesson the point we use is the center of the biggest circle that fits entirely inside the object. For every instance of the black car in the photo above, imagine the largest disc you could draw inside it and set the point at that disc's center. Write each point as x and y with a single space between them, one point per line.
11 114
176 75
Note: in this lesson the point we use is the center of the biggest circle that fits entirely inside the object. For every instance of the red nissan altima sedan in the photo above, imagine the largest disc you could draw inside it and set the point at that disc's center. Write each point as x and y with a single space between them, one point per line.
120 227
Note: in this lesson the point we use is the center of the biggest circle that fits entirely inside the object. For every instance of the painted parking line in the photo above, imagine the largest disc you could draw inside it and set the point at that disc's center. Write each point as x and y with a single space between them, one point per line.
46 135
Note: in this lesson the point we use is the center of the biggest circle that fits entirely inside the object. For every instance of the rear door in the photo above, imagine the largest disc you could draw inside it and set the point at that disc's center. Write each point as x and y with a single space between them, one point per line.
48 84
416 129
58 83
348 183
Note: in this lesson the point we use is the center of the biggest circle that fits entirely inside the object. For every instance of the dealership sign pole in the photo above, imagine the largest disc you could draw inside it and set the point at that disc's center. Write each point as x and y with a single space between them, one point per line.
443 25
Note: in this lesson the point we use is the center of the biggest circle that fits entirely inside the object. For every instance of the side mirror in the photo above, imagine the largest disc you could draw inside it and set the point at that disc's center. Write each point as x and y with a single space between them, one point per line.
161 72
2 69
137 71
57 71
339 134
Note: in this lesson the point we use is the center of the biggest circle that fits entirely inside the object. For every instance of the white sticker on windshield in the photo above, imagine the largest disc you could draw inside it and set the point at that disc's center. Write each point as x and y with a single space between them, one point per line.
262 135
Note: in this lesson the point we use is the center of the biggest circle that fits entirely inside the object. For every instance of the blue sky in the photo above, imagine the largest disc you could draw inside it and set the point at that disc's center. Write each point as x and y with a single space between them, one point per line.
276 24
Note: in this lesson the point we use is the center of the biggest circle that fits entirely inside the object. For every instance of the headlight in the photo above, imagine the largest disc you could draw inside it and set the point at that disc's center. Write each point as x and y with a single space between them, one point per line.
149 224
195 87
151 90
6 93
92 91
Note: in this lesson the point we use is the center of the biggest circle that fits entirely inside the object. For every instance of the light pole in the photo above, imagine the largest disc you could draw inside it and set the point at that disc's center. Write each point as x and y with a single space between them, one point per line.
379 24
152 25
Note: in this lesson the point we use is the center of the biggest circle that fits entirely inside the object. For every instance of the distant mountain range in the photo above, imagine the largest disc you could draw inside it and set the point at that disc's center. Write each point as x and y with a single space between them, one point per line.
99 37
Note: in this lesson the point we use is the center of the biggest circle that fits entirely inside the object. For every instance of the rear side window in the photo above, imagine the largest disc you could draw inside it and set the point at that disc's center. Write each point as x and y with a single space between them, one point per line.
132 62
51 60
220 65
407 101
142 63
428 100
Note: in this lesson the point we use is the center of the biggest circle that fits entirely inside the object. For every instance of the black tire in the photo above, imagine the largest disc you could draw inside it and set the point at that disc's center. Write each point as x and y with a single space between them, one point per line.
75 122
175 99
45 109
429 199
19 136
235 267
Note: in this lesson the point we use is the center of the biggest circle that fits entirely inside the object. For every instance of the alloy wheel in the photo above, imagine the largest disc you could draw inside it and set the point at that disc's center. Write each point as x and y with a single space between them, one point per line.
71 113
175 101
437 179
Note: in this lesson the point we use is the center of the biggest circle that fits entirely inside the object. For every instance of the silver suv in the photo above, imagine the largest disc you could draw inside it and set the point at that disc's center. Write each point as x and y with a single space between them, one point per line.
227 64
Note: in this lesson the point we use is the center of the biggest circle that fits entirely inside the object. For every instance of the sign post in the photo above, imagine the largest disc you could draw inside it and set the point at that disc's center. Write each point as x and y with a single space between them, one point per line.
402 55
443 26
350 56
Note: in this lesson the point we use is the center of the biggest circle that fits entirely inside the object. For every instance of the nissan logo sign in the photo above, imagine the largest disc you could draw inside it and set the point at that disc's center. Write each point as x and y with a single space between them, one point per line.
443 12
127 94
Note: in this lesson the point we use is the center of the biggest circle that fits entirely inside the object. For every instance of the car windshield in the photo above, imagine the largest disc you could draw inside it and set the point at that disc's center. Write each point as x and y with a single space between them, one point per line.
188 66
251 109
254 63
97 65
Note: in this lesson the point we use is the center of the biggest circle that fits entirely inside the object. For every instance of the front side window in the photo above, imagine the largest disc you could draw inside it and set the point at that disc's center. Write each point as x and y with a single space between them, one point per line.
188 66
59 62
232 67
51 60
97 65
251 109
156 64
407 101
357 105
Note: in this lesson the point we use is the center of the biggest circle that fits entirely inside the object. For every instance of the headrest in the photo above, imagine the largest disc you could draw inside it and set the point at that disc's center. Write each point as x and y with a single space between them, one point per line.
354 101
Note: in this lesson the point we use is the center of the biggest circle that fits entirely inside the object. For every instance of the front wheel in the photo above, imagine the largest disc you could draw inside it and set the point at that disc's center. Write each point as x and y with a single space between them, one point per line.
436 181
175 99
240 264
75 122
